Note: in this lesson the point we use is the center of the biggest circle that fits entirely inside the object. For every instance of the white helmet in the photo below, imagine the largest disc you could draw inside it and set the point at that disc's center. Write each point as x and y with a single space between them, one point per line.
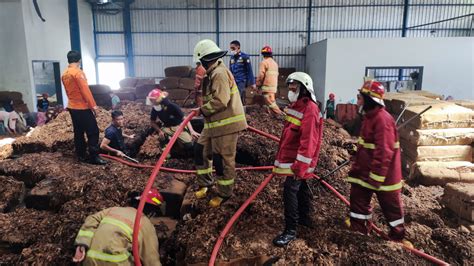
207 47
304 79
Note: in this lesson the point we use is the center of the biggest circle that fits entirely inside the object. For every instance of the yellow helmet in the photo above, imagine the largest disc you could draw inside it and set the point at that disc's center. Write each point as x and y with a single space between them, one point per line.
304 79
205 48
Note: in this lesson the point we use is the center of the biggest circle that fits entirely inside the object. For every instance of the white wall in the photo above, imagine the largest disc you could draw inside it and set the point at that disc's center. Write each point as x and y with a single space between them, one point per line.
316 66
14 71
448 63
24 38
47 40
87 40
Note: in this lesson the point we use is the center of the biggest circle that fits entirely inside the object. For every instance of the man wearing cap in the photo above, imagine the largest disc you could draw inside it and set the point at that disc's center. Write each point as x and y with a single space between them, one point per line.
105 238
170 116
224 119
376 166
267 80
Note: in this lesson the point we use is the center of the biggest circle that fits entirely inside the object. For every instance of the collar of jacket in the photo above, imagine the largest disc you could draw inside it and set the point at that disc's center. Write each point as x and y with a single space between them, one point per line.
372 113
300 103
216 64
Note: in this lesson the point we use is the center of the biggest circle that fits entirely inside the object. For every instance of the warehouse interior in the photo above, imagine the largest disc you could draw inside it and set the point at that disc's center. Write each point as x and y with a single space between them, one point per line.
421 52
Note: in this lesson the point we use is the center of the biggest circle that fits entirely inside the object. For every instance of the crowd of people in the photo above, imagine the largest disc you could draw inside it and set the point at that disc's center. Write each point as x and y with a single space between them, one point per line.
220 98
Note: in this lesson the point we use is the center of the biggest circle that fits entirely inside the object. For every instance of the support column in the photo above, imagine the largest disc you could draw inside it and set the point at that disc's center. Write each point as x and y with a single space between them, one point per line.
74 31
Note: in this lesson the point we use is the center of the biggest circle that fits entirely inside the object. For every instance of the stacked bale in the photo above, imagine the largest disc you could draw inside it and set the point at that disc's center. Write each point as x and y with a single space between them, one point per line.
442 135
179 83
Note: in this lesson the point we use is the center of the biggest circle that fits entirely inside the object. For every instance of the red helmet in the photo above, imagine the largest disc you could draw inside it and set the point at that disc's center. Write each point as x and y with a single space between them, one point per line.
266 50
154 197
332 96
155 96
155 93
374 90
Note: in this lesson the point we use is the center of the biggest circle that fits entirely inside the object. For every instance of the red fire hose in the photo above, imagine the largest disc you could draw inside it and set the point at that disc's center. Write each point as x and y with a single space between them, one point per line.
234 218
154 173
339 195
173 170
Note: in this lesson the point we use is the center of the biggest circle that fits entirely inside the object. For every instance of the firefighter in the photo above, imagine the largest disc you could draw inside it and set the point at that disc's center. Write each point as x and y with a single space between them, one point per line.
224 119
200 73
170 116
241 68
82 107
267 80
105 238
298 154
376 166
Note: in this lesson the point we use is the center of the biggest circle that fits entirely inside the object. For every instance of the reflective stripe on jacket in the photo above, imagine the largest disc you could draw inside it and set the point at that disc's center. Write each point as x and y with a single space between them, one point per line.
267 78
376 164
299 143
200 73
108 238
222 109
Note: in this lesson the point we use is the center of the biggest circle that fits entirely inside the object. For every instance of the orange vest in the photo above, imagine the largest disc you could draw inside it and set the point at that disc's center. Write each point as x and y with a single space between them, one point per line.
268 75
78 93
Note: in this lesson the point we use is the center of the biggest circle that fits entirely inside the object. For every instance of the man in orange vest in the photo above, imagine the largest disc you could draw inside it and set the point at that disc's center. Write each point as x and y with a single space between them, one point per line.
82 108
267 79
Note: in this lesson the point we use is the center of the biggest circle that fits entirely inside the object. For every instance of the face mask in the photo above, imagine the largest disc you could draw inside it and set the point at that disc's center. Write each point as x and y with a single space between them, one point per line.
158 108
232 52
293 96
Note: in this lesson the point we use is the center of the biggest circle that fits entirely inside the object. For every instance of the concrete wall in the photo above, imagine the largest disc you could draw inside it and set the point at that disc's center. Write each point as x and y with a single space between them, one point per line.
14 68
25 38
48 41
316 67
448 63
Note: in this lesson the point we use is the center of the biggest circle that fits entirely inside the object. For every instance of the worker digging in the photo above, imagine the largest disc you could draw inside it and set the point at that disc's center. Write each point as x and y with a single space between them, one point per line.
146 137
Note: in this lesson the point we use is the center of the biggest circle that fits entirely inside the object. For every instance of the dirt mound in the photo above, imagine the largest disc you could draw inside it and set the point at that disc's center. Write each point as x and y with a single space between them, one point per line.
69 191
58 134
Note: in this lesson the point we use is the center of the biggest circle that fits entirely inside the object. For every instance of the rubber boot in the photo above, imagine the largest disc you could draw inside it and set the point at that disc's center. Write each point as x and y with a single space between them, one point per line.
201 193
285 238
407 243
98 161
347 222
217 201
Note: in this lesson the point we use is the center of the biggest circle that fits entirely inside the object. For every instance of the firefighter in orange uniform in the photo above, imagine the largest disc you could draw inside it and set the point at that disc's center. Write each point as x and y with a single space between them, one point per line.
267 79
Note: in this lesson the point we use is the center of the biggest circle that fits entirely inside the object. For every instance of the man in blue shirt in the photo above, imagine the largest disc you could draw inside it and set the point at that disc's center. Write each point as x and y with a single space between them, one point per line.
113 141
241 69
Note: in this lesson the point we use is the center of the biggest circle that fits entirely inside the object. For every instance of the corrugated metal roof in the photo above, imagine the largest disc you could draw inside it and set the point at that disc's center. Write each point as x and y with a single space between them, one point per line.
173 4
279 23
107 22
173 20
167 44
111 44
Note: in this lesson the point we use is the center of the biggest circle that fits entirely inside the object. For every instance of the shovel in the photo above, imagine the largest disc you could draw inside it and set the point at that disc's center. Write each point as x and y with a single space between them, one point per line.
130 159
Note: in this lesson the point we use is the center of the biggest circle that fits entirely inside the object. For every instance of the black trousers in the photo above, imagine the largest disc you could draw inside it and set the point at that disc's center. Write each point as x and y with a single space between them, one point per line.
297 201
84 122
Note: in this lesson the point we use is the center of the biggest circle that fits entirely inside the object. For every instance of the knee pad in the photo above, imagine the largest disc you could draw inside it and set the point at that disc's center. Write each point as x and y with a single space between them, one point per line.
218 163
198 154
